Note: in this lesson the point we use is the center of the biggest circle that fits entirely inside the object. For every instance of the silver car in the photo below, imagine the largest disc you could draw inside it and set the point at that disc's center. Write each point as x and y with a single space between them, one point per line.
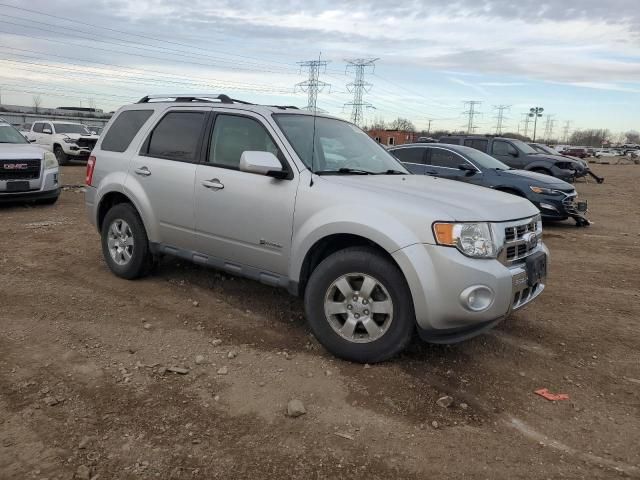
310 203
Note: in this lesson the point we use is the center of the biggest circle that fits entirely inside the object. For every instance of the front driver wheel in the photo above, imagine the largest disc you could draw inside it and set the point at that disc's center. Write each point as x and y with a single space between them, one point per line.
359 307
61 157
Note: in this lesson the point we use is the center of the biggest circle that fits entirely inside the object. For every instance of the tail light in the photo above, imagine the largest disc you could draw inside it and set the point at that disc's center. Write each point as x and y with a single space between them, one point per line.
91 165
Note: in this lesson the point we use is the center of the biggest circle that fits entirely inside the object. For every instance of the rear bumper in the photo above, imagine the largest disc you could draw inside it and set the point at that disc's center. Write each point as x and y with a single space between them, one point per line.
438 276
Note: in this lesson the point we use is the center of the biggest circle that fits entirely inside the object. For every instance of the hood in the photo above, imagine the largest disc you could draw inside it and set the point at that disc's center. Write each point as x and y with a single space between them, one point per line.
443 199
556 158
20 151
536 179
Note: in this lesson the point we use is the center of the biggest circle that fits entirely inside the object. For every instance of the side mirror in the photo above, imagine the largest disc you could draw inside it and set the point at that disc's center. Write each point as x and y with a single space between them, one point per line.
262 163
513 152
47 131
468 168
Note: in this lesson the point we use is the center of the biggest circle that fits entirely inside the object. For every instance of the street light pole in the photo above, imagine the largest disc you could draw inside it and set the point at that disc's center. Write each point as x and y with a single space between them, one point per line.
535 112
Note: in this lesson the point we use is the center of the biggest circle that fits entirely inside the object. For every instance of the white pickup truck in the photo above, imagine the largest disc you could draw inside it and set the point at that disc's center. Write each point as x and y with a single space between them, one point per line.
66 140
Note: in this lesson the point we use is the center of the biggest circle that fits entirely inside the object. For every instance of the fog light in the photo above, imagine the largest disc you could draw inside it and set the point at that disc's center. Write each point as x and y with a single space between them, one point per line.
546 206
477 298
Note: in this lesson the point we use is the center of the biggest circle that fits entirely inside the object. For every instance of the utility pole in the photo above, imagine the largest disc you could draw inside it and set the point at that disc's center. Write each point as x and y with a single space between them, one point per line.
500 118
312 86
359 86
471 113
535 113
565 131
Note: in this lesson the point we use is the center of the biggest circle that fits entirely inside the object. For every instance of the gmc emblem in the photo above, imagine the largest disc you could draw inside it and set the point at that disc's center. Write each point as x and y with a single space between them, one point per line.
15 166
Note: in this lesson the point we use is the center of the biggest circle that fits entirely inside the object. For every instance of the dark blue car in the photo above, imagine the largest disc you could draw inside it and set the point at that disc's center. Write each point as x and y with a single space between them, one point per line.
555 198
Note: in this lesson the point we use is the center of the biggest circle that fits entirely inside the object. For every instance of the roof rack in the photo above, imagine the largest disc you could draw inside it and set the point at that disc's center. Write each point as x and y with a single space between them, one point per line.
192 97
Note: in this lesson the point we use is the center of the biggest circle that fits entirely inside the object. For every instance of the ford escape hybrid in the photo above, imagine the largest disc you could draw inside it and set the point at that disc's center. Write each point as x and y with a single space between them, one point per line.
312 204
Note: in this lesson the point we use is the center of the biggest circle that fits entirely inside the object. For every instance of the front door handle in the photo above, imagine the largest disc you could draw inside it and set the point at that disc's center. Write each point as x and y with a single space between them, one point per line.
213 184
144 171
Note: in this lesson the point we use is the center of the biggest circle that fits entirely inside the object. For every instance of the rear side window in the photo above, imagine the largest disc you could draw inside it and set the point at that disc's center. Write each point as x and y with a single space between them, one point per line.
477 143
37 127
445 158
123 129
410 155
177 136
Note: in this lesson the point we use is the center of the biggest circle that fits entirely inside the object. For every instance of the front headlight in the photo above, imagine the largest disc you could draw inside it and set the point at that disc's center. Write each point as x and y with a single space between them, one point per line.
472 239
544 191
69 140
50 160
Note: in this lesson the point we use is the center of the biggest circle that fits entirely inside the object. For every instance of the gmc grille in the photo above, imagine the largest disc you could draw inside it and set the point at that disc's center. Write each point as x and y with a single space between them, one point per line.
27 169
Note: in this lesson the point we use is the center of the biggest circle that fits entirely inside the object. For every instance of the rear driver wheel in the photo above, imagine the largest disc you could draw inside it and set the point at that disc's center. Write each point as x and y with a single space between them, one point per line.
359 307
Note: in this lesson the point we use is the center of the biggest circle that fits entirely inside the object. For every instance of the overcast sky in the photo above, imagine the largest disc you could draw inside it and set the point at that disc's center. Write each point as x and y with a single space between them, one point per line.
579 59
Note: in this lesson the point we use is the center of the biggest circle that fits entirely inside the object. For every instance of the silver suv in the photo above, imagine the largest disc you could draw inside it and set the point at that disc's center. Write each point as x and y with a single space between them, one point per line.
312 204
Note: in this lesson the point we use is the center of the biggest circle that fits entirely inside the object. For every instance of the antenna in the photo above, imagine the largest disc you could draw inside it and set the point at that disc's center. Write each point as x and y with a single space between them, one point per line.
314 109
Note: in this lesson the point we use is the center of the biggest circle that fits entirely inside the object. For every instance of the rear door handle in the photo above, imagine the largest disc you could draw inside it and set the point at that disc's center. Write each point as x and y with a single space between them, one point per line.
213 184
144 171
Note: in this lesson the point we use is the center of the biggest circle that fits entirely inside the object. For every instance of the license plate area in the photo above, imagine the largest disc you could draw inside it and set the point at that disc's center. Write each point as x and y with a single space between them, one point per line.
17 186
536 265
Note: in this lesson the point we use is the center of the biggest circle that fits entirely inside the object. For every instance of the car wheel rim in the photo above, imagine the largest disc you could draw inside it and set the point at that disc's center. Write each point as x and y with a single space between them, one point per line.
358 307
120 242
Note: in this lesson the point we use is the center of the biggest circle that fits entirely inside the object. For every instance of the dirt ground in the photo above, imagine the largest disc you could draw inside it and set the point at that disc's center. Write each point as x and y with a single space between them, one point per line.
84 389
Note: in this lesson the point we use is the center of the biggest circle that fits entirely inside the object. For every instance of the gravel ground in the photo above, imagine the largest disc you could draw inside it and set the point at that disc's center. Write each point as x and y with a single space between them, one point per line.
189 373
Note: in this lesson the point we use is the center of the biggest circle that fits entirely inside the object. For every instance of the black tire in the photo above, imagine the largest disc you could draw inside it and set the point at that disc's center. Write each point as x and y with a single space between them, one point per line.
61 157
141 260
367 261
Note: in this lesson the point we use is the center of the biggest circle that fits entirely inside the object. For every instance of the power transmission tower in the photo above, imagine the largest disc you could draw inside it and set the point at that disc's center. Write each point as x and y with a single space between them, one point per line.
565 131
500 118
429 127
548 127
313 85
471 113
535 113
359 86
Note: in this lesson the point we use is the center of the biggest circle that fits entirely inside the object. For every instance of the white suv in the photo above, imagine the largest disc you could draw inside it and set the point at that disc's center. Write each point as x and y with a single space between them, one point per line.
66 140
312 204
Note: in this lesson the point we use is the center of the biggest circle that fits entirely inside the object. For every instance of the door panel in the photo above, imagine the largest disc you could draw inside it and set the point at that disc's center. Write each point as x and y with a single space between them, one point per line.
244 218
165 170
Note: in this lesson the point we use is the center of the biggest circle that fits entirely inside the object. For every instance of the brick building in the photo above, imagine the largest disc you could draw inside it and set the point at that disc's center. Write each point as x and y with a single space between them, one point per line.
392 137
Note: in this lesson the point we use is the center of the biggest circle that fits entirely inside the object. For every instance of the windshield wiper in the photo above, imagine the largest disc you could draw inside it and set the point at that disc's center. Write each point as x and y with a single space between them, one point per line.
392 172
344 171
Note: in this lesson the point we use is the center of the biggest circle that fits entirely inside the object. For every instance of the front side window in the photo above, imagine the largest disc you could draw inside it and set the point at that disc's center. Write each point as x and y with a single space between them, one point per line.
70 128
502 148
337 147
445 158
177 136
410 155
37 127
123 129
477 143
232 135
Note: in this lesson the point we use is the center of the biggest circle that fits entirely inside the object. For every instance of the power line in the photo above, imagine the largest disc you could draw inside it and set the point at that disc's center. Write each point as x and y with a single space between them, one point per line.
358 87
471 114
313 85
500 118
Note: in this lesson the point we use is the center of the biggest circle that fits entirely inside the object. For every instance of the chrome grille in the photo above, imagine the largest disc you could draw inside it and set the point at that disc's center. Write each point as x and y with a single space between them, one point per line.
515 245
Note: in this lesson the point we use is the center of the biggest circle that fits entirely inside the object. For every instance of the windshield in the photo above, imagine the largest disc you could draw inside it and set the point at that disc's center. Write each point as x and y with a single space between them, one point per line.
71 128
523 147
339 146
8 134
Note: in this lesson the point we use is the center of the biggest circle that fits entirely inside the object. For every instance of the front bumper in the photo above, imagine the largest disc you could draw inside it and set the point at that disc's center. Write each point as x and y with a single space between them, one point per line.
77 151
39 189
438 275
559 207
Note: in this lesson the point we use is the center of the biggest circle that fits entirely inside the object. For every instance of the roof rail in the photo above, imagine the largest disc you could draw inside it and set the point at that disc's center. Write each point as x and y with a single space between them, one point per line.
192 97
